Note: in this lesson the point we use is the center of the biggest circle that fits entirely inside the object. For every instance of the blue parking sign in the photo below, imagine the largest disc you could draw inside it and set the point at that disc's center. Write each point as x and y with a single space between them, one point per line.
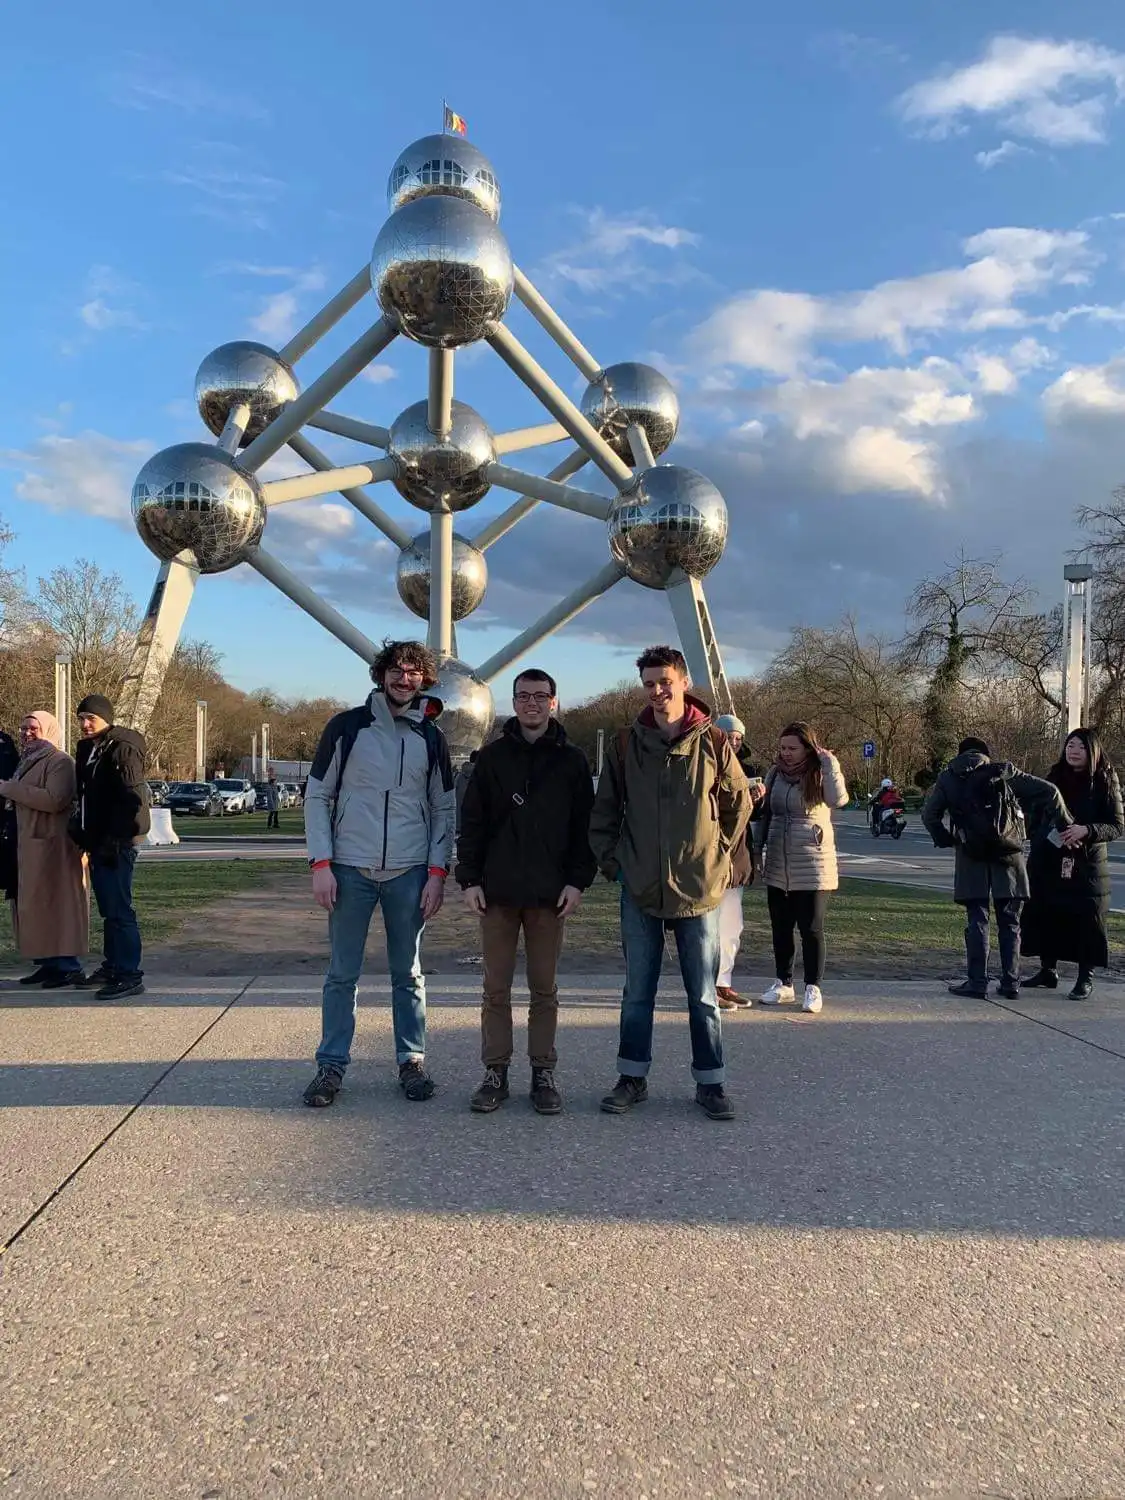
869 749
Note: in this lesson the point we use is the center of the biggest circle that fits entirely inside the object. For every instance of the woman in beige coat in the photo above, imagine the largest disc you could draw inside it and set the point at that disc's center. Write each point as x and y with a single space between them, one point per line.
794 828
52 908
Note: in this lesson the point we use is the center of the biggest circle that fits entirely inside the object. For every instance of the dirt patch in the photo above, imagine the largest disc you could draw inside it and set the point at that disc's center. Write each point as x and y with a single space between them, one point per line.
276 928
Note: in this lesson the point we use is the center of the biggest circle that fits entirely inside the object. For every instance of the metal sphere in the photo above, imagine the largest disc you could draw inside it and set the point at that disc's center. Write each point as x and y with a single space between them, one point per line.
467 710
629 393
444 165
412 576
670 518
442 272
243 372
441 473
195 498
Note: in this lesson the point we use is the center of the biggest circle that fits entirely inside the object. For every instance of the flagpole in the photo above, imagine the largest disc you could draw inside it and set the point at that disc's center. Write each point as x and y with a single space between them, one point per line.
444 114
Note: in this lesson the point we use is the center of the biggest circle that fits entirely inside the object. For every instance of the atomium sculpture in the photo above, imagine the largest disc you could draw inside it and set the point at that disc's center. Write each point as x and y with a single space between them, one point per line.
442 275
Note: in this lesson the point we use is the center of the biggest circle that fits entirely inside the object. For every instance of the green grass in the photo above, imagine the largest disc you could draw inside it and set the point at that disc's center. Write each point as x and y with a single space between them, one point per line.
166 893
242 825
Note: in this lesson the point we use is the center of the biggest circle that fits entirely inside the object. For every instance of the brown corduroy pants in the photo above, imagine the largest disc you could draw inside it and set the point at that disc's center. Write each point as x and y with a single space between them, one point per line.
542 939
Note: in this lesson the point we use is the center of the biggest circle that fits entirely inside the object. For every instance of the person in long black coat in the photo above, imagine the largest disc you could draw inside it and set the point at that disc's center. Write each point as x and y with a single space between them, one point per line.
1069 876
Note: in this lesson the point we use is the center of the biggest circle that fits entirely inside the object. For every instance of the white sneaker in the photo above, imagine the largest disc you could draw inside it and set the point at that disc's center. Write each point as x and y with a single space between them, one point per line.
813 1000
778 992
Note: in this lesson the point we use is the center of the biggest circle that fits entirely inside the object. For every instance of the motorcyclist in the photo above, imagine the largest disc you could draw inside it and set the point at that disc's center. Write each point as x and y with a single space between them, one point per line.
887 795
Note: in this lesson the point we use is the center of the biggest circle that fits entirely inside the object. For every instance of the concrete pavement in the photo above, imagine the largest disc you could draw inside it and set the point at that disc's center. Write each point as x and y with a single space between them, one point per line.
899 1272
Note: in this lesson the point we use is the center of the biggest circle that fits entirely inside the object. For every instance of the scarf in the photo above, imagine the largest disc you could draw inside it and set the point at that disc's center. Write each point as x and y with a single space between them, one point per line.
36 750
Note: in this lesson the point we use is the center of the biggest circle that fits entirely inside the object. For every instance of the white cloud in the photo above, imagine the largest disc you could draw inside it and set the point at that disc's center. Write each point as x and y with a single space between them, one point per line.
278 318
1055 92
1086 391
1003 152
145 83
108 302
378 374
90 473
610 253
778 330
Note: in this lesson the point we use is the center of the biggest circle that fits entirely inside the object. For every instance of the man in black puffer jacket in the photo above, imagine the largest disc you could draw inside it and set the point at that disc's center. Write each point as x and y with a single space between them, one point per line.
523 861
112 817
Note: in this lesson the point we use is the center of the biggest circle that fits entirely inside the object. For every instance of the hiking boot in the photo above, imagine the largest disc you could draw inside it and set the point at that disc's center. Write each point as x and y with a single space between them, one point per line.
779 992
492 1092
713 1100
727 999
1083 988
120 989
58 979
1046 979
415 1082
94 981
968 991
545 1097
322 1091
813 1003
1008 991
625 1093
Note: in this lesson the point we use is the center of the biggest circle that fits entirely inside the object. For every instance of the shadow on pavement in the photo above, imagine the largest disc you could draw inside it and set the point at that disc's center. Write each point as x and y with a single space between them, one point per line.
982 1124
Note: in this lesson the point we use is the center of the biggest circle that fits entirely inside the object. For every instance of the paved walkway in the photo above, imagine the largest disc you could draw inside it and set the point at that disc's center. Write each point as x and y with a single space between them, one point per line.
898 1273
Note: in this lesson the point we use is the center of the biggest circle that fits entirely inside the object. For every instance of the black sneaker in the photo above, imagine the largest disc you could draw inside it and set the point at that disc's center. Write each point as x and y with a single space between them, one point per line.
58 979
1083 988
712 1098
415 1082
94 981
322 1091
625 1093
545 1097
120 989
968 991
38 976
492 1092
1046 979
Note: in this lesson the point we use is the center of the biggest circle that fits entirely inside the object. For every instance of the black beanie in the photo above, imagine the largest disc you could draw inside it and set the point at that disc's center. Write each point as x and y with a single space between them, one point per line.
94 703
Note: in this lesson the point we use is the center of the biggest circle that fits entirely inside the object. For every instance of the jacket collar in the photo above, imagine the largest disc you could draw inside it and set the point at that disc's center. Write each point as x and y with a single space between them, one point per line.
381 711
696 716
554 734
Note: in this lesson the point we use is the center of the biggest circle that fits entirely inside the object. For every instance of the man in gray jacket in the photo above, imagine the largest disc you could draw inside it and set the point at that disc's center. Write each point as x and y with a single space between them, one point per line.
379 817
985 801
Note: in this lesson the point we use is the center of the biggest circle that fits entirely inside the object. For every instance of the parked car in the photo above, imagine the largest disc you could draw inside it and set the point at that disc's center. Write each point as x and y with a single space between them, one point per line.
294 791
196 799
238 795
158 792
260 802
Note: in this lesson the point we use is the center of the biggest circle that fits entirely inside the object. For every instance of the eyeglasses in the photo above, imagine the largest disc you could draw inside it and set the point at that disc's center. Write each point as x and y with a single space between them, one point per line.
537 698
405 672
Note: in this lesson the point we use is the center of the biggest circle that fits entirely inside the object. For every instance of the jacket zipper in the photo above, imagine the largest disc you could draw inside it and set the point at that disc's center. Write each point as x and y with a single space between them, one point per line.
386 817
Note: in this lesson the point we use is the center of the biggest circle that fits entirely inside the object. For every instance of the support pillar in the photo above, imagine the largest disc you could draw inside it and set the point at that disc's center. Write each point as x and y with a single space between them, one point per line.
63 678
1077 605
201 739
441 583
698 641
156 641
265 751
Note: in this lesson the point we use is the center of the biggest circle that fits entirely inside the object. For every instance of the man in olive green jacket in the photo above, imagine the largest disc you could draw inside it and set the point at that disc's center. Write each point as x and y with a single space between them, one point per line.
672 804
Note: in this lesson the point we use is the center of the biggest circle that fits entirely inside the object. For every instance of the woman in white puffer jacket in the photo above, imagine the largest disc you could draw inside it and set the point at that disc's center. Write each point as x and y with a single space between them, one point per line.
794 829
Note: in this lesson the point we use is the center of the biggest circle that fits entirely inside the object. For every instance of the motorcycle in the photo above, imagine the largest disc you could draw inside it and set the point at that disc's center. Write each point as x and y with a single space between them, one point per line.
889 820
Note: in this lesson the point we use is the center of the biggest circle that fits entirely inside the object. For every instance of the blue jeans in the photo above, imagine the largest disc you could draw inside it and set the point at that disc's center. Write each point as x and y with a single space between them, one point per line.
697 943
113 891
65 965
357 896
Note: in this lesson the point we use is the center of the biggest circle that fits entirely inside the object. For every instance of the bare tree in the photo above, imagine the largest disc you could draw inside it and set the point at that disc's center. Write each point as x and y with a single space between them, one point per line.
90 614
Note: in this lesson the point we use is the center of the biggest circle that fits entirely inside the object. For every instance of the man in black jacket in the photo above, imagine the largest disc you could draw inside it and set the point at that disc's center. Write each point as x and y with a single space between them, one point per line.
523 861
112 816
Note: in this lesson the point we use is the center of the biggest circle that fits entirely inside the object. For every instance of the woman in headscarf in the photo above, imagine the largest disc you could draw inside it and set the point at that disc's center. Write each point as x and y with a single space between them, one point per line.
1069 872
52 907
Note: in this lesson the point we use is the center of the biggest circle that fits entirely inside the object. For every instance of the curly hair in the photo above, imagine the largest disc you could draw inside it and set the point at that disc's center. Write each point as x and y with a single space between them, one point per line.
661 656
405 654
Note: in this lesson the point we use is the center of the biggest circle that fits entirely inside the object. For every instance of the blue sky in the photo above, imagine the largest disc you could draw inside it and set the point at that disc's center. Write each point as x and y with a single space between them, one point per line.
880 249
